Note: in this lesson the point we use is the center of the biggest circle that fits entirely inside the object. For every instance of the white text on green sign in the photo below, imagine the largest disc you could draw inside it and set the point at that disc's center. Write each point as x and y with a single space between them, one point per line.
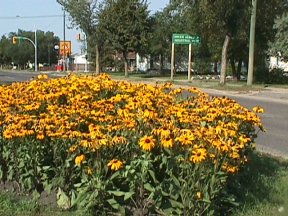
185 39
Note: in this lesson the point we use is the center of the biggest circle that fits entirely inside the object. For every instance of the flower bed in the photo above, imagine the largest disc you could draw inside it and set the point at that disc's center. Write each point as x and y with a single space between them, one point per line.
113 146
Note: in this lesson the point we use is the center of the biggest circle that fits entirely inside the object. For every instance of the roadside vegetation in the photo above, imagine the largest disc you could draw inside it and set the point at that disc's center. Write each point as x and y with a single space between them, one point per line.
112 146
261 191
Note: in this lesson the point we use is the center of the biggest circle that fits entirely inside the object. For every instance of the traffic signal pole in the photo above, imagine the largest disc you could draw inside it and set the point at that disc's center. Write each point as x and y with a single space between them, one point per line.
14 41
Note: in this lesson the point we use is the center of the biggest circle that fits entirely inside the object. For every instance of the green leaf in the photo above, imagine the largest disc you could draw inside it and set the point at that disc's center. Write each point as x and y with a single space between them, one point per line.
63 200
128 195
47 187
113 203
73 198
115 175
175 180
36 194
152 174
117 193
176 204
149 187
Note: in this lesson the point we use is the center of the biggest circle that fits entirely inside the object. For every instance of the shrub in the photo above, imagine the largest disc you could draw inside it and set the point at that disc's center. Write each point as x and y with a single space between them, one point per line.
276 76
113 146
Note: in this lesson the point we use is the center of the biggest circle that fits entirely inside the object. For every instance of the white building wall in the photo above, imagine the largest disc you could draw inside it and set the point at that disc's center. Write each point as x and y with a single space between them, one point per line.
275 62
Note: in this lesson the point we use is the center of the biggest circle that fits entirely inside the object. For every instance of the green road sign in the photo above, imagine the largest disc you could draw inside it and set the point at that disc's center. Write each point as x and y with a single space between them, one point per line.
185 39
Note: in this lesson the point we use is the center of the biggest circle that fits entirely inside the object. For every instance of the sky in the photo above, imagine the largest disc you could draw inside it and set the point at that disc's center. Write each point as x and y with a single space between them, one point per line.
14 15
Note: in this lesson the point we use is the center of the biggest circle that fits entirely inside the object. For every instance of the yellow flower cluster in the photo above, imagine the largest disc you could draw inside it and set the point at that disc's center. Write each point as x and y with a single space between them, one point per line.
102 113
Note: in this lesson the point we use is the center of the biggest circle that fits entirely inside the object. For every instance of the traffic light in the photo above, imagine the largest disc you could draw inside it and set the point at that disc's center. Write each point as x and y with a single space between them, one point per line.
79 36
14 40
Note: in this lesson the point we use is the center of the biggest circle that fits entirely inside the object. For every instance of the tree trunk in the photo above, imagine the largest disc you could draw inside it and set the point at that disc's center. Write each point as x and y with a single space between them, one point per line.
161 64
233 67
215 68
97 66
224 59
239 67
125 64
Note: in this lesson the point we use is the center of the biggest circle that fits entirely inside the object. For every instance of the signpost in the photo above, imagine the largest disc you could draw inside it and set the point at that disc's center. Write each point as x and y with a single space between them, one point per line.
184 39
65 48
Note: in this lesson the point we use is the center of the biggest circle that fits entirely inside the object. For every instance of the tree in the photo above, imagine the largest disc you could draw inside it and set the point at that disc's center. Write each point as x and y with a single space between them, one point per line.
46 42
85 15
279 46
23 52
160 37
125 24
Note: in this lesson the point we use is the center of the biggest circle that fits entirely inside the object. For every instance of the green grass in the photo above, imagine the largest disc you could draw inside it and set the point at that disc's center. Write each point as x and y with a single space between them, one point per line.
261 189
13 205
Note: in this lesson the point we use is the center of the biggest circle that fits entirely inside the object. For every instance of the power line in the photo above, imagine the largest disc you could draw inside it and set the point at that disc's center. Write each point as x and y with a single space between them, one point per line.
30 17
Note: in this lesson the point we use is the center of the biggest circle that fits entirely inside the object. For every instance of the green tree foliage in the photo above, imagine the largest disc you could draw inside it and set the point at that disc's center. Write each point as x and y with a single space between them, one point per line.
216 21
23 51
46 42
280 45
85 15
160 38
125 25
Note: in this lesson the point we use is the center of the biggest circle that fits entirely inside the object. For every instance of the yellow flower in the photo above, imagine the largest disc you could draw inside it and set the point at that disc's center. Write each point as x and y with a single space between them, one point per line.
199 195
230 168
73 148
164 132
42 76
147 143
258 109
80 159
185 139
167 142
89 171
198 155
220 145
115 164
119 140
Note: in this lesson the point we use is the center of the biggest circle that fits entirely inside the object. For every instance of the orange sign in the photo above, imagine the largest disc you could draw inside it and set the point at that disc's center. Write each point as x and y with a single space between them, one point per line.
66 48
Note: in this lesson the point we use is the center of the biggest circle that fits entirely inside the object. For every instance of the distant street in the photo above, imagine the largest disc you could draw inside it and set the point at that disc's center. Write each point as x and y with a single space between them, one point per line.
274 101
18 76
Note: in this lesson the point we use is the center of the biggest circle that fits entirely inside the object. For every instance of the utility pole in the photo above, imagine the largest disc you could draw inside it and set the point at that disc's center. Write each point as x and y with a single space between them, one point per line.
86 53
35 44
64 39
252 44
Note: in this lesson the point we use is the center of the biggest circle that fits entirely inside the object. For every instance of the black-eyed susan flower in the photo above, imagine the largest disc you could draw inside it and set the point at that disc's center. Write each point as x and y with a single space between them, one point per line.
258 109
198 155
119 140
115 164
80 159
185 139
147 143
167 142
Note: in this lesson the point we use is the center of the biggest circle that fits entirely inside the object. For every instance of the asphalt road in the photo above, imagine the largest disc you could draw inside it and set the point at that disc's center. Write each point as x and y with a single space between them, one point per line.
18 76
274 101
